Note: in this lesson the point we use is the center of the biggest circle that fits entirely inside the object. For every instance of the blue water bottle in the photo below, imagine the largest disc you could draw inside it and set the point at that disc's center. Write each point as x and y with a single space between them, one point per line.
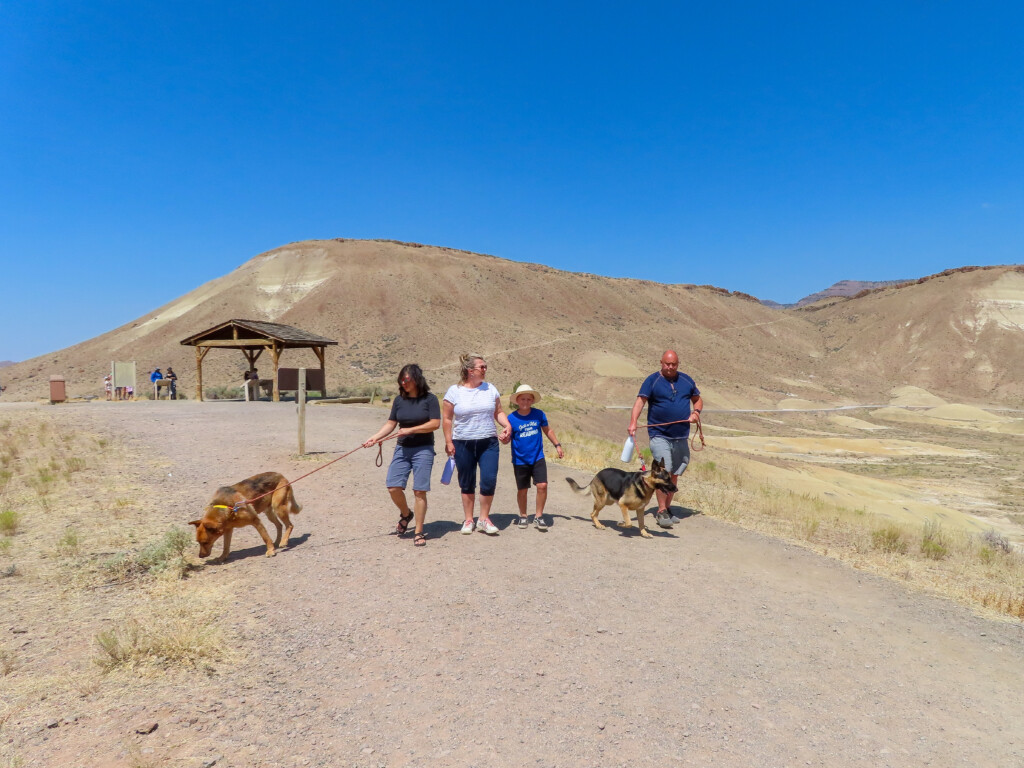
449 467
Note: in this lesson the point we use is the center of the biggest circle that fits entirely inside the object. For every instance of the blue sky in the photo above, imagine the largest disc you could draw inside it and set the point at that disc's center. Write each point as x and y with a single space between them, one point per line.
772 148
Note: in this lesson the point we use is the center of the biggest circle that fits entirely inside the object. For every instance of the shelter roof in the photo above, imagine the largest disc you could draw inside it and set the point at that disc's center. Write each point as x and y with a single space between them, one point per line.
244 334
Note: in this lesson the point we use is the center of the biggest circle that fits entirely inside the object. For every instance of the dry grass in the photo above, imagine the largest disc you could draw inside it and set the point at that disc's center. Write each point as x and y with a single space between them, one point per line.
983 571
175 628
65 503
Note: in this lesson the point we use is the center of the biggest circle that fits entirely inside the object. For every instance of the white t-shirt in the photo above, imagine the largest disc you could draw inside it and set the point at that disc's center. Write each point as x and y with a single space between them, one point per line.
474 411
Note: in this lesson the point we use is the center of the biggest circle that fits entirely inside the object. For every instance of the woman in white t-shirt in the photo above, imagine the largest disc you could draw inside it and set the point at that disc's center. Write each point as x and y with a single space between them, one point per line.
468 414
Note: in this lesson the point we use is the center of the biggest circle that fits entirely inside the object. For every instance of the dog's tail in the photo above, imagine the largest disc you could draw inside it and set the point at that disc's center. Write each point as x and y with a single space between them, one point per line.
576 486
288 497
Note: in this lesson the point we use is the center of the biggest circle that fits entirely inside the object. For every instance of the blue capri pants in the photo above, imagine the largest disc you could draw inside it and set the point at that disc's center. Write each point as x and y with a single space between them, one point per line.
470 454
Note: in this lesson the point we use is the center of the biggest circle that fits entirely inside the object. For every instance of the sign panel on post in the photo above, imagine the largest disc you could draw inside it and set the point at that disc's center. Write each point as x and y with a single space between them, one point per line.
288 379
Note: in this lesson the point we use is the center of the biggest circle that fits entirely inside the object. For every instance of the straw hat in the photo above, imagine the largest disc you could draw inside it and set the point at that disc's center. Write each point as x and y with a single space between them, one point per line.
523 389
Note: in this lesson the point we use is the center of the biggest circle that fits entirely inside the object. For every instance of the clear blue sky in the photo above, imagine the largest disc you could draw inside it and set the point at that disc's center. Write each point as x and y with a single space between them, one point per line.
772 148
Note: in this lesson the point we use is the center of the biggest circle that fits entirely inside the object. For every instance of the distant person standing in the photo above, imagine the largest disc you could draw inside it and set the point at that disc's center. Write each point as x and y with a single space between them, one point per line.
154 377
670 396
173 378
107 386
252 384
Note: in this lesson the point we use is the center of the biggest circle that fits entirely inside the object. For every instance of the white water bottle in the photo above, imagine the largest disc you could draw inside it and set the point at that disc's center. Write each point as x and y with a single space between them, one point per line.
627 450
449 467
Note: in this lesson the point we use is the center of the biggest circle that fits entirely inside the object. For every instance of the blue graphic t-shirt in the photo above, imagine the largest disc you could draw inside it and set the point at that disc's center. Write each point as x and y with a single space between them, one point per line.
527 439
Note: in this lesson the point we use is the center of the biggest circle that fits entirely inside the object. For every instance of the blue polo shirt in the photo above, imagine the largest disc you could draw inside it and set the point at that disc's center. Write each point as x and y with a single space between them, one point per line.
668 401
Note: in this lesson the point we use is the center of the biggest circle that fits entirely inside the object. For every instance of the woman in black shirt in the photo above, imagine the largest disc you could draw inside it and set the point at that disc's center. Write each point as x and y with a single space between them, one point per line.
417 414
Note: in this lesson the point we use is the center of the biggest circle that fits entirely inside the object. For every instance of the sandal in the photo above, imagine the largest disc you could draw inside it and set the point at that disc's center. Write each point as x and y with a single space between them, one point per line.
403 524
419 540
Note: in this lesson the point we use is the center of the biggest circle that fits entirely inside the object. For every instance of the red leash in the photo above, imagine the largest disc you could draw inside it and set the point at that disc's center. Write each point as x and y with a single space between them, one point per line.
379 461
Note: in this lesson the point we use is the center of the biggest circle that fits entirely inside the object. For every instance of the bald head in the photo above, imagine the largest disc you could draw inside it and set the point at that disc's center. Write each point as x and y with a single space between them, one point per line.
670 365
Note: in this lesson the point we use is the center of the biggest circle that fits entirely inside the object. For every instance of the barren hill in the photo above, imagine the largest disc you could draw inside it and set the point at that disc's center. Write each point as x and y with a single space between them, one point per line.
959 333
579 335
389 303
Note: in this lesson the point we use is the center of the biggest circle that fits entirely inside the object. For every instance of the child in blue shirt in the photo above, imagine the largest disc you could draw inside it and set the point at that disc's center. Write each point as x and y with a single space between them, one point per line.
528 462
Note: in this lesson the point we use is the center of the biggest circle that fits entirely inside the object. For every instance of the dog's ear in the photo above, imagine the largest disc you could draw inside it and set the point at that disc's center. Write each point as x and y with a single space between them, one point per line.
196 523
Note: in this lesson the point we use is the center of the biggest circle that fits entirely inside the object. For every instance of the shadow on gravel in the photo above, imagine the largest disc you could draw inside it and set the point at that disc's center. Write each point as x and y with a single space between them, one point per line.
438 529
261 549
508 521
682 513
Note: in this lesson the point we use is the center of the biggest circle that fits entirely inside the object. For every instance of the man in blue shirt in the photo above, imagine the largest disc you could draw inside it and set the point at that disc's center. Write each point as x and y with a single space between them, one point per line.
670 396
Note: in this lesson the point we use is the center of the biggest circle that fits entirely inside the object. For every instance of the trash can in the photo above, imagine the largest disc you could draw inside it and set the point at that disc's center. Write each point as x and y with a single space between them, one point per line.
58 390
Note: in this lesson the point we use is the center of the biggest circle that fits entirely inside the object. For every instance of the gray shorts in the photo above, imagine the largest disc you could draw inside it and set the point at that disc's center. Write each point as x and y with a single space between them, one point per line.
675 452
417 461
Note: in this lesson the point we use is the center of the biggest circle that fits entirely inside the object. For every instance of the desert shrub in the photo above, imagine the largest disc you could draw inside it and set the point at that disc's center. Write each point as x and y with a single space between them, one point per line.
121 567
70 543
996 541
5 545
809 526
889 539
167 552
73 464
10 521
165 555
223 392
933 543
362 390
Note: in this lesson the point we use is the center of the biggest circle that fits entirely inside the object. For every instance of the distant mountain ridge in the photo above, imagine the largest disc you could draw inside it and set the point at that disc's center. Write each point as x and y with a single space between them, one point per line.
844 289
5 363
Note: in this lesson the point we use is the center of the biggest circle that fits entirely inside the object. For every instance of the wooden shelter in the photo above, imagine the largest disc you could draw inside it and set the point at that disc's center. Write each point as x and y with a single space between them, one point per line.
252 337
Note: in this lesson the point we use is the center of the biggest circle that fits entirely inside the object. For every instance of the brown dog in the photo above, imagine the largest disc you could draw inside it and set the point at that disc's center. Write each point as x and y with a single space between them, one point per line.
630 490
228 510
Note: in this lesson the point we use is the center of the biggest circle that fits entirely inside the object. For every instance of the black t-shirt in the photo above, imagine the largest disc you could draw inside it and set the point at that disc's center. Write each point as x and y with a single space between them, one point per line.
412 413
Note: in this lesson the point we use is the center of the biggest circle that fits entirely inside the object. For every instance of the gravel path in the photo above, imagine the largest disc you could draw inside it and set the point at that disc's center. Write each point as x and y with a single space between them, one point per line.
706 646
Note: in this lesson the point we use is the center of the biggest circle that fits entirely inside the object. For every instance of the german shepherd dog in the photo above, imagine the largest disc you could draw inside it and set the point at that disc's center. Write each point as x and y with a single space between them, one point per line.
630 490
228 510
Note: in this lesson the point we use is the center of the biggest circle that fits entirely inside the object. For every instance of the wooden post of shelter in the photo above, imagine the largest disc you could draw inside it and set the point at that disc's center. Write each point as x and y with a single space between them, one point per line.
200 354
275 353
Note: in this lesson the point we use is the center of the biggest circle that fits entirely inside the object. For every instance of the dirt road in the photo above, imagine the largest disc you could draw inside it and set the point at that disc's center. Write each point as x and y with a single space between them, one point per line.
706 646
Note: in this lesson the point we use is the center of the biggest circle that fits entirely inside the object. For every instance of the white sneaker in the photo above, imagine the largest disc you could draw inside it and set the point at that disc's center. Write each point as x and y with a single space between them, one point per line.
484 525
467 527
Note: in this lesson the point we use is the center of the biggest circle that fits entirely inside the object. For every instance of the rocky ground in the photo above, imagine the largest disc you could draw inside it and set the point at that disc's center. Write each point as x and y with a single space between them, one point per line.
705 645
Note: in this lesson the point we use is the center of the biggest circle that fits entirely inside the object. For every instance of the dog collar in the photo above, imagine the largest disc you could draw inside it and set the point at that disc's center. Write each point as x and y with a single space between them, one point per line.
220 506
